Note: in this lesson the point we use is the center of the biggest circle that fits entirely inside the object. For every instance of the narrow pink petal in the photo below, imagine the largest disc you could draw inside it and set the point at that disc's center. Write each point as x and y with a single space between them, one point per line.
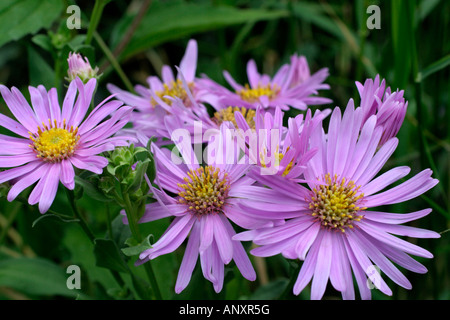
306 240
240 256
206 232
217 268
254 78
385 180
381 261
188 64
17 160
67 174
333 134
27 179
38 105
22 112
323 266
167 75
16 172
55 109
223 240
13 126
395 242
339 258
172 238
232 82
69 100
377 162
309 265
344 138
415 186
395 218
366 264
358 271
50 188
189 259
35 195
155 211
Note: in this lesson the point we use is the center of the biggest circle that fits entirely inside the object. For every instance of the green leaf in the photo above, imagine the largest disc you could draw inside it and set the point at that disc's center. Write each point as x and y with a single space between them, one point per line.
135 249
141 169
108 255
43 41
21 17
91 190
172 20
35 276
53 216
314 14
39 70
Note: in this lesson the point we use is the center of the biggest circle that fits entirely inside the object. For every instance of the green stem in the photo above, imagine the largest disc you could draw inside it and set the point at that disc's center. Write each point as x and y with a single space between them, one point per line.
132 222
95 19
113 62
82 221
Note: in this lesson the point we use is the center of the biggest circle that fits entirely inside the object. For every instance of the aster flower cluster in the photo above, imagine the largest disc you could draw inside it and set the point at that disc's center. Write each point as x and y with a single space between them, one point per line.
243 172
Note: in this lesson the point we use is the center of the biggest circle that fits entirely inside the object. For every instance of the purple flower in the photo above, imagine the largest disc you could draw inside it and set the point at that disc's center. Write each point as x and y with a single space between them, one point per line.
207 200
291 86
334 232
52 141
390 108
152 104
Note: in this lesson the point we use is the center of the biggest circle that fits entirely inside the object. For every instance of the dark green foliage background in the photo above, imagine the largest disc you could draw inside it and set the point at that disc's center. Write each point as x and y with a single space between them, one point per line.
411 51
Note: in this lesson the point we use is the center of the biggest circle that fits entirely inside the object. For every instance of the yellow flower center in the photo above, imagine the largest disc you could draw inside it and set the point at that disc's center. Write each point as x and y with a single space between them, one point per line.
174 89
278 157
205 191
253 94
53 144
336 203
227 114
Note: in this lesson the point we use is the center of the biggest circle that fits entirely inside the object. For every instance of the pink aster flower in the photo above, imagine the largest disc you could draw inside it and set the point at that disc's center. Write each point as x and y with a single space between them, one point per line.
291 86
334 232
154 102
52 141
207 200
390 107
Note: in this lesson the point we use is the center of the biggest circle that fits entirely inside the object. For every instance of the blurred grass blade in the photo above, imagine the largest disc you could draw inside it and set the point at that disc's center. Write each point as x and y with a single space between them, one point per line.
174 20
434 67
402 41
35 276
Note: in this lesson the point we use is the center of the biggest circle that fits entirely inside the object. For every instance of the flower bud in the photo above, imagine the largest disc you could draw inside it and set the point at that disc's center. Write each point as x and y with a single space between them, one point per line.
81 68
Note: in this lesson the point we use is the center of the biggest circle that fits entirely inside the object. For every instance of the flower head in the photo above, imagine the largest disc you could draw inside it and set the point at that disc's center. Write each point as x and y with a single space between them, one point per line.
156 101
335 232
291 86
81 68
52 141
390 107
207 200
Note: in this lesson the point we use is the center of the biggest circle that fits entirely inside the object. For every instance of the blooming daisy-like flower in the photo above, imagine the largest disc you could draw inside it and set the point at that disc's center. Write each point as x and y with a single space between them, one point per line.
207 199
390 107
152 104
292 86
335 233
52 141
